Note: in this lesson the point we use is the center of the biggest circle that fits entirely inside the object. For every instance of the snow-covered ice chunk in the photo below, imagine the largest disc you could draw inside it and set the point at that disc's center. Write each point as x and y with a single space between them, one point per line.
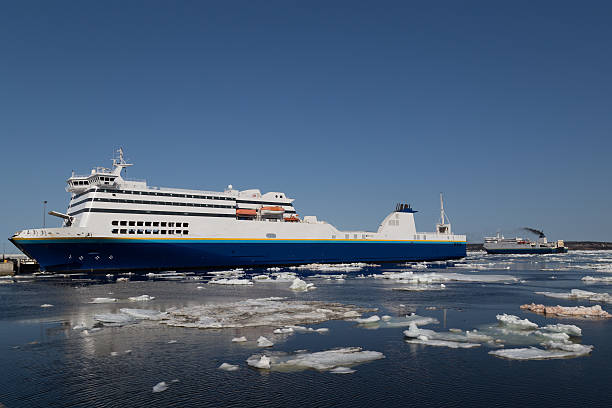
578 294
239 339
159 387
261 362
342 370
322 360
602 279
569 329
554 350
441 343
141 298
368 320
45 305
413 318
385 318
228 367
301 286
230 282
103 300
275 312
172 341
515 322
113 318
143 314
283 330
264 342
351 313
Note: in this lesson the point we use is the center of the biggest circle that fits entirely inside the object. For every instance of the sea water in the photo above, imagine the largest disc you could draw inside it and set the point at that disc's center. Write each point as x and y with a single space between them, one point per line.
54 353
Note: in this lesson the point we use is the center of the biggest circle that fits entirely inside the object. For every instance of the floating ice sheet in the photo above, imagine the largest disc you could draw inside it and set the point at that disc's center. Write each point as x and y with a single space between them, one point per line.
103 300
346 267
232 281
228 367
46 305
299 285
141 298
241 339
578 294
116 319
514 322
554 350
322 360
264 342
593 279
275 312
408 320
441 277
160 387
143 314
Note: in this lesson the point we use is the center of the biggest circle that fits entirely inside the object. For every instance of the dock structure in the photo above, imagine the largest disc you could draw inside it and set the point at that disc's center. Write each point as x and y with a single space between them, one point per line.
15 264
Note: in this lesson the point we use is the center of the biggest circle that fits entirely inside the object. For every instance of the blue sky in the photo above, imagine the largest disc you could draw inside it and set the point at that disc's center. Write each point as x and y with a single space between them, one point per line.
348 107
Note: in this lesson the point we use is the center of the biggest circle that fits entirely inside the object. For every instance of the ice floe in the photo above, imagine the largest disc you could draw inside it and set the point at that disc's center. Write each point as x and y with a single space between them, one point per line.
159 387
141 298
553 350
421 287
416 335
368 320
231 281
241 339
113 319
264 342
514 322
228 367
412 318
275 312
580 311
322 360
345 267
342 370
46 305
103 300
299 285
441 277
602 279
569 329
143 314
578 294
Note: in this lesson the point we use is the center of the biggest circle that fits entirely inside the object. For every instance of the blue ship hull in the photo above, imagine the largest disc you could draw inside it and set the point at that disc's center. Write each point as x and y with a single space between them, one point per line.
101 255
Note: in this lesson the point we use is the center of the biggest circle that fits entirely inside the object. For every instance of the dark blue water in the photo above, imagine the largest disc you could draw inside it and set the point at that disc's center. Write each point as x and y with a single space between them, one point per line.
45 363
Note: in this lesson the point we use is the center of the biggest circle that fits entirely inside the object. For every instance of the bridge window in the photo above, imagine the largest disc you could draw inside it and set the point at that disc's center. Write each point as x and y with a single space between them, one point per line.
139 223
148 224
115 223
124 223
132 223
115 231
123 231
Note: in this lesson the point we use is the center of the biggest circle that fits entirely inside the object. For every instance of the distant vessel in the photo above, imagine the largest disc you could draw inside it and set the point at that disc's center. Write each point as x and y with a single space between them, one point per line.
501 245
117 224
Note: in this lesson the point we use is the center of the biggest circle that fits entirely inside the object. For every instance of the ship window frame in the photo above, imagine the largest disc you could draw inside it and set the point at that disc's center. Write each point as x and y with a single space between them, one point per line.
185 232
123 223
123 231
115 222
156 223
163 224
163 232
140 231
147 223
115 231
140 223
132 223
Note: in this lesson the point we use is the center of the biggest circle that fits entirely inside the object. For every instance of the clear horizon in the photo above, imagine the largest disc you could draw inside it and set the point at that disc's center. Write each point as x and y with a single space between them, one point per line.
347 107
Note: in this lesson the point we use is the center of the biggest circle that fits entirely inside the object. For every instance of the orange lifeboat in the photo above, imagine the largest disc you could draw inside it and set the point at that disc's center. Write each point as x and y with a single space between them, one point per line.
292 218
246 212
275 210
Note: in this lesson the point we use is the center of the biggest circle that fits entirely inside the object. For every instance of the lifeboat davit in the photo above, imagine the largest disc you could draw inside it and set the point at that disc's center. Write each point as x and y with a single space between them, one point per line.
275 210
246 212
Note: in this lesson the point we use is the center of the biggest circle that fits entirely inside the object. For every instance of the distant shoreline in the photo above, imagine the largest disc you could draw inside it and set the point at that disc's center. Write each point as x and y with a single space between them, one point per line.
572 245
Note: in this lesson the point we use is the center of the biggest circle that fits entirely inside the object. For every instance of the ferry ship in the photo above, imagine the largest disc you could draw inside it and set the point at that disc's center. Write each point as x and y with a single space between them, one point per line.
501 245
116 224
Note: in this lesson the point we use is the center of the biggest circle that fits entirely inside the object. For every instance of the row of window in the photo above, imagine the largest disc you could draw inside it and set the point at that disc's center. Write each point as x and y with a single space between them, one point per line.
160 194
173 203
154 231
151 224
